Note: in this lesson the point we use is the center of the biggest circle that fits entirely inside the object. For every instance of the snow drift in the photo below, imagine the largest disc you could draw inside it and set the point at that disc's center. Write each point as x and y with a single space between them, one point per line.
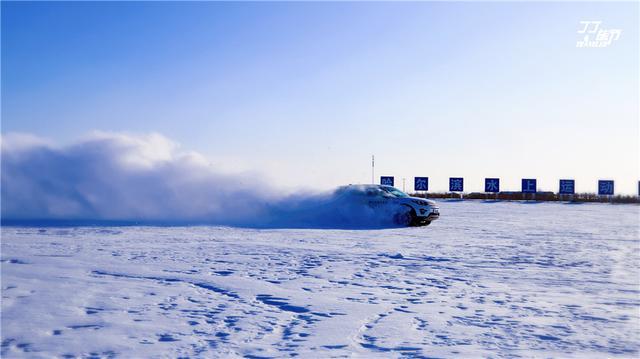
149 179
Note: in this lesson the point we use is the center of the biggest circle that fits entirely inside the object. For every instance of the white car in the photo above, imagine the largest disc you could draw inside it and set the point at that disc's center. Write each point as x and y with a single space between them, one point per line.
407 210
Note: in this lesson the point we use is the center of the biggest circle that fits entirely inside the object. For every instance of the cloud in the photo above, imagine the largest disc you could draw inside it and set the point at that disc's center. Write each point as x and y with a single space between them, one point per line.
150 179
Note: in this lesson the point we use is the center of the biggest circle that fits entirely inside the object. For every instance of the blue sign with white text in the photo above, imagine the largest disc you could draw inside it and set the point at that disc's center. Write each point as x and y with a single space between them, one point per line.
386 180
421 184
529 185
567 186
492 185
456 184
605 188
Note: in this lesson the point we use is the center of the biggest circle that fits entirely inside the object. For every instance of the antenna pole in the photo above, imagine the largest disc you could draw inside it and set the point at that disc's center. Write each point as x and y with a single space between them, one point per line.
373 166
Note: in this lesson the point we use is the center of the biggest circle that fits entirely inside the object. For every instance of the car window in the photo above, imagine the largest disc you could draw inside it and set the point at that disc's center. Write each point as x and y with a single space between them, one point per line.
395 192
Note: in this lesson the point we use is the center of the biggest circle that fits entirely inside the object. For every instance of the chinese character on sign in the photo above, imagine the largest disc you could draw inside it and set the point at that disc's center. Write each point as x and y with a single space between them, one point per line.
386 180
605 188
492 185
567 187
528 185
456 184
421 184
594 36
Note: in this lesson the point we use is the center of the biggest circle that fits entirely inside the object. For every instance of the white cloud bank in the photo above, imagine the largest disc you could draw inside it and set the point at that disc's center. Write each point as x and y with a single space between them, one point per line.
149 179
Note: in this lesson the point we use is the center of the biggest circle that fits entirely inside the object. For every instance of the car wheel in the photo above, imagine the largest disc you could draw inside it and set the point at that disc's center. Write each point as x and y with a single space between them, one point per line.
406 217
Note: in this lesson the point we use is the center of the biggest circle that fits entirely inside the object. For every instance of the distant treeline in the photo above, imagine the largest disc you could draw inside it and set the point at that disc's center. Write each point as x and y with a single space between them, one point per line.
539 196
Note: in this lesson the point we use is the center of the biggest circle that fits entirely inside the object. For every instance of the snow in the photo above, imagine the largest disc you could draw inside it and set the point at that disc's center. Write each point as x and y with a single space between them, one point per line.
497 279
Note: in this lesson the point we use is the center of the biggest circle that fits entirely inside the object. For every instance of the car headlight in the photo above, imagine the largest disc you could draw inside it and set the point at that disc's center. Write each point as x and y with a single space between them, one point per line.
422 203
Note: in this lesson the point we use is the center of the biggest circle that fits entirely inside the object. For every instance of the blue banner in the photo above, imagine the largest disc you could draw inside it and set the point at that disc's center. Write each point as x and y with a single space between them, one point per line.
605 188
456 184
567 186
386 180
529 185
421 184
492 185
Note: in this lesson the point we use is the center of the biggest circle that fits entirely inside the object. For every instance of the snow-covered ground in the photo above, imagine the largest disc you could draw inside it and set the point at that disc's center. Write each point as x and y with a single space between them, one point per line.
487 279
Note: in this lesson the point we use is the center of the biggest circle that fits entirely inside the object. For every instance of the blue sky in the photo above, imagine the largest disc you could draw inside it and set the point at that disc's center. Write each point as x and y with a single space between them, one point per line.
305 92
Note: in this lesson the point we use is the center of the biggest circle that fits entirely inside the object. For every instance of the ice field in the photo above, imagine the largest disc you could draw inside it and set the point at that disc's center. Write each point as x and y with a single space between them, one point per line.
499 279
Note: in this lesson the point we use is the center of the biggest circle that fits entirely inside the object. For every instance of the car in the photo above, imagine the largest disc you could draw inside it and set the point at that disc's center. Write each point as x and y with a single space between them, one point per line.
407 210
